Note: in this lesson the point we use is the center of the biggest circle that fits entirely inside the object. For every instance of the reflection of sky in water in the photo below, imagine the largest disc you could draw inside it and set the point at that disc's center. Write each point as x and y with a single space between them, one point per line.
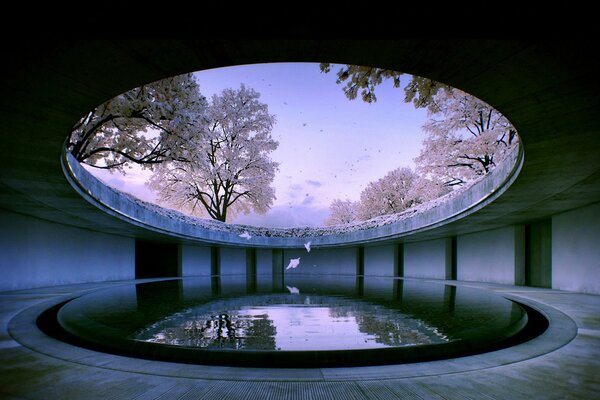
288 322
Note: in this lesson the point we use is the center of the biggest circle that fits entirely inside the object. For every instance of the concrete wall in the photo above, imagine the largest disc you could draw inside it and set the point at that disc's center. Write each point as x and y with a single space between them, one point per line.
429 259
35 253
264 262
195 260
322 261
264 269
576 250
496 256
381 260
232 261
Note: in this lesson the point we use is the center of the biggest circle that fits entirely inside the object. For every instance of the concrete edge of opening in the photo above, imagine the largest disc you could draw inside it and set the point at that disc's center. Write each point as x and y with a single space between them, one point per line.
174 224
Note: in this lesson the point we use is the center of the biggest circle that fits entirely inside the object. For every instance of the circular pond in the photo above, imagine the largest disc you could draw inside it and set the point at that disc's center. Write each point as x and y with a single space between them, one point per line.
304 321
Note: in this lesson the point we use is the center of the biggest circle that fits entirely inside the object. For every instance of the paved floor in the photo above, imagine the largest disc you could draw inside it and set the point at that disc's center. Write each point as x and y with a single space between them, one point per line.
563 363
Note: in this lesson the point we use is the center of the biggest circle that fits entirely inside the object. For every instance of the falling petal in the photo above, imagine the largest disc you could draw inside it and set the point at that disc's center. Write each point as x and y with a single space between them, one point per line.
307 246
293 290
294 262
245 235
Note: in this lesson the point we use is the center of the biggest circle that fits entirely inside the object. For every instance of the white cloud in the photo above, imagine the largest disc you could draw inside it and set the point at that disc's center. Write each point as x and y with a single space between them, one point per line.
314 183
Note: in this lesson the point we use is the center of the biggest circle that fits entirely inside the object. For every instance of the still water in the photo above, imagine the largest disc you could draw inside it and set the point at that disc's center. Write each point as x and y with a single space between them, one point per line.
291 322
194 319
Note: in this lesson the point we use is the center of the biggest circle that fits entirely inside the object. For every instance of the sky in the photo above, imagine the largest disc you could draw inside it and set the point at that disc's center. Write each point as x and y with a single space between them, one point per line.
329 147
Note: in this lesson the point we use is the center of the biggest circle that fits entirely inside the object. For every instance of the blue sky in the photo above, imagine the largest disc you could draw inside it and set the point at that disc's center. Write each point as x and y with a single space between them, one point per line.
329 147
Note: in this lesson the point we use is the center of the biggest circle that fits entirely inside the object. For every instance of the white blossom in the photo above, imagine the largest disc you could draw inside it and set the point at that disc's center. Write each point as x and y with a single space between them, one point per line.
294 262
229 169
466 138
145 125
307 246
397 191
342 212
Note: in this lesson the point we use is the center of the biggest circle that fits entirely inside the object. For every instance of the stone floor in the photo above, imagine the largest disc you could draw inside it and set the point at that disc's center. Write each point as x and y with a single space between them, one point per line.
563 363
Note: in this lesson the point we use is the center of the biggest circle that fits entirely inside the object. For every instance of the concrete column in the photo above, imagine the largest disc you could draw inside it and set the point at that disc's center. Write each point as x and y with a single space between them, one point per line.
538 254
215 262
451 262
277 269
360 261
251 270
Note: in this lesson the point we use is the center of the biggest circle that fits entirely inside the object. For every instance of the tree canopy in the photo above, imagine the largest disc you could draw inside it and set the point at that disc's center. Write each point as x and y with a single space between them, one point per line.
342 212
399 190
363 79
146 125
466 137
227 167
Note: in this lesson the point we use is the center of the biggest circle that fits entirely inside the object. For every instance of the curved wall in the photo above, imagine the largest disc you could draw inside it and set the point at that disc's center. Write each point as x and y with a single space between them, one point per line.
545 88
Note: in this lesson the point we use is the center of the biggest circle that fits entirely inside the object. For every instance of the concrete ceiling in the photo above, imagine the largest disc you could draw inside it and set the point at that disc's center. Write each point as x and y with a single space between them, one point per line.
547 89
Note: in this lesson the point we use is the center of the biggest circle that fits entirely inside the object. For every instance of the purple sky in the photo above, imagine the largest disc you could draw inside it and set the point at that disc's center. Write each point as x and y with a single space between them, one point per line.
329 147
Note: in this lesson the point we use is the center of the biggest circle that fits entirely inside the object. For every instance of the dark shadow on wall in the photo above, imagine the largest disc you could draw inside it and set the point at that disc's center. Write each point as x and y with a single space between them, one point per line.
157 260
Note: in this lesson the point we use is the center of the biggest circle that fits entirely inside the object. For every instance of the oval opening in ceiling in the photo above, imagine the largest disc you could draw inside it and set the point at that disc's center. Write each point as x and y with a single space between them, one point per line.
272 146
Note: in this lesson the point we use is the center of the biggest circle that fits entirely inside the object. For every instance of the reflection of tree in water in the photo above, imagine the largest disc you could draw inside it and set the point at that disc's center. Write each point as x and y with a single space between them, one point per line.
250 327
224 330
260 335
389 326
396 333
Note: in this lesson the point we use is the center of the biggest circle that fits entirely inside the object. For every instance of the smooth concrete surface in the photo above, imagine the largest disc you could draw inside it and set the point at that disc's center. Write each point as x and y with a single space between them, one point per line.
264 262
327 261
36 253
381 260
232 261
576 250
195 260
562 363
428 259
264 269
496 256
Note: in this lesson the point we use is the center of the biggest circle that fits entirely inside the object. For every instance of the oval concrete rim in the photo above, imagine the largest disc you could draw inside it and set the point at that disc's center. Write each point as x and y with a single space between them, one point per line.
23 329
113 202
